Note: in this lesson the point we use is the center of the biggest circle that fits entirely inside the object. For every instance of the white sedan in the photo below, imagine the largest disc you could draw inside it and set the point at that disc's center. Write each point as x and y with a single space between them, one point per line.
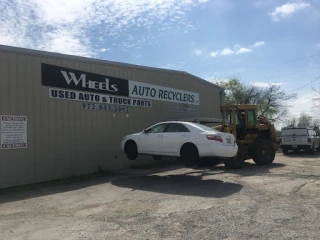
189 141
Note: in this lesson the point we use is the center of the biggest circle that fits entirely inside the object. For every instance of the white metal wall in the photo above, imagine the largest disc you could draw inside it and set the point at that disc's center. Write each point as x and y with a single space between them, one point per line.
63 139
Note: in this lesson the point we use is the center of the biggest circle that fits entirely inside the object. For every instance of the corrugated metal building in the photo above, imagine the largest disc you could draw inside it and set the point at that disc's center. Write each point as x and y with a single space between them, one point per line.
63 115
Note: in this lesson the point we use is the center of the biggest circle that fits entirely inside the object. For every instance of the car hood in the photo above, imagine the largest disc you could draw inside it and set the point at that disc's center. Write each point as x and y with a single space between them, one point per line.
135 134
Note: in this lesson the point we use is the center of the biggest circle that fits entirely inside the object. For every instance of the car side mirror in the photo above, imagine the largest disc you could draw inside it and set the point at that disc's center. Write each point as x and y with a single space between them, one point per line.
144 130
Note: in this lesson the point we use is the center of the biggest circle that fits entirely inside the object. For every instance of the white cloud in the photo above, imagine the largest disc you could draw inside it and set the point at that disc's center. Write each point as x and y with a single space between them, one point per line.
214 54
197 51
243 50
265 84
216 79
287 9
303 103
174 66
203 1
75 27
227 51
104 49
263 3
62 42
236 49
318 46
258 44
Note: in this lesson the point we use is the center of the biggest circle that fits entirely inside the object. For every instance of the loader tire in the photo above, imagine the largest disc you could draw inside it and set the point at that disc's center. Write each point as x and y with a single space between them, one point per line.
263 152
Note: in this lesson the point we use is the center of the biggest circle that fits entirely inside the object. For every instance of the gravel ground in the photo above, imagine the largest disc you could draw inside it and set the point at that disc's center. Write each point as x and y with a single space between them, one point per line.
280 201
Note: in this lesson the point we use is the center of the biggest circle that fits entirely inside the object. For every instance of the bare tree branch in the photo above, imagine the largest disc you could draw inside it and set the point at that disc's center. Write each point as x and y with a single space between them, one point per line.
272 101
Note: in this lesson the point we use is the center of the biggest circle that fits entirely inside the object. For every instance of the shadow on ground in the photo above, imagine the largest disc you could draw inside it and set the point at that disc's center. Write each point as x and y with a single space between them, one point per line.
185 185
79 182
52 187
302 154
249 168
143 178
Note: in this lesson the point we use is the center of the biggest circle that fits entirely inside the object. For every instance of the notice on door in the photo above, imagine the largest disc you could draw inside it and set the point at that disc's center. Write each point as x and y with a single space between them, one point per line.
13 132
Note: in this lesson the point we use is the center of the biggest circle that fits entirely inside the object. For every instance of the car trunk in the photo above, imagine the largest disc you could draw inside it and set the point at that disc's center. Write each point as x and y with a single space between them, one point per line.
228 139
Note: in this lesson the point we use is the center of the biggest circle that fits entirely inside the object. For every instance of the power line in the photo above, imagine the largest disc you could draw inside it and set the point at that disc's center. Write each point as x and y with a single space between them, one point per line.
303 85
291 61
304 70
284 63
300 88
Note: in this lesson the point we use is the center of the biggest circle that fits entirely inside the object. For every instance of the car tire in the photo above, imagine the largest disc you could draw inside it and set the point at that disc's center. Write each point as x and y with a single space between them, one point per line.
189 155
285 151
263 152
318 149
157 157
237 161
131 150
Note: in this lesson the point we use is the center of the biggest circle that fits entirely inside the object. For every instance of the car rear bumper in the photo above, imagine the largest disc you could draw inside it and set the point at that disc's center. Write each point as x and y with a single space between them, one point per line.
215 150
292 147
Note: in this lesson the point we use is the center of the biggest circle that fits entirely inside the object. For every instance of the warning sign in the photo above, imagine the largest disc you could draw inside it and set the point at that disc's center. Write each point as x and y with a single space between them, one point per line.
13 132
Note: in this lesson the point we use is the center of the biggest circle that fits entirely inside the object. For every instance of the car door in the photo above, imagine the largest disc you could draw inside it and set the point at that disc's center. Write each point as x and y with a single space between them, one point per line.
173 137
150 140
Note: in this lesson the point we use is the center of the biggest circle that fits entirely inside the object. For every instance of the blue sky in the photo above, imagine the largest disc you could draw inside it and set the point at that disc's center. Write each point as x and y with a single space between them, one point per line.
213 39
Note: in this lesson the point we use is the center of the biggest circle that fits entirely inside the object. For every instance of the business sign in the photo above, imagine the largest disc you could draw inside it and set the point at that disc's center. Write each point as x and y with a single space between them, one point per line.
154 92
65 78
61 77
97 98
184 110
104 107
13 132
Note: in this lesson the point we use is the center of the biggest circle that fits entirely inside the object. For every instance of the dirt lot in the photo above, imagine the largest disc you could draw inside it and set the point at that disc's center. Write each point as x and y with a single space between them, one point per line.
281 201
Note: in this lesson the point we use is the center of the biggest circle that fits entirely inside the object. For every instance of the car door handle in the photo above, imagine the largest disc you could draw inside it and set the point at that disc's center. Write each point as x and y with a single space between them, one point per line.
159 136
184 135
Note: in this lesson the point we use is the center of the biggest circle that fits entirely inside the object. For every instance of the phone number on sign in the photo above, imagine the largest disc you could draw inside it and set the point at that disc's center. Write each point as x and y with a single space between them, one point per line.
103 107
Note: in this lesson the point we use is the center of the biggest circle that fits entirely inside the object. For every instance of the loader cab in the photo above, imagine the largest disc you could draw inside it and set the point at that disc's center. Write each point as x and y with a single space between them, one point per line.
237 119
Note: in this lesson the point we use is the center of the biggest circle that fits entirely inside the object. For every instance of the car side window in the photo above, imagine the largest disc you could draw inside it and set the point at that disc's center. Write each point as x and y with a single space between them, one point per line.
176 127
158 128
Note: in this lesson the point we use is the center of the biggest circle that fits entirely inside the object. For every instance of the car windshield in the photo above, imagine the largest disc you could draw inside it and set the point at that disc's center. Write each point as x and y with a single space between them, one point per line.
204 127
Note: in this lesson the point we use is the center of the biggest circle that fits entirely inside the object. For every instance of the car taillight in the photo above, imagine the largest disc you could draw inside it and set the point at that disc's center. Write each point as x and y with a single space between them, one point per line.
309 140
214 138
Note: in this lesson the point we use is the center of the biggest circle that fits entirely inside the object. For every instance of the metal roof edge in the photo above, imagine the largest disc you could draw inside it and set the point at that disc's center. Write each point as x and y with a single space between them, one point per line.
95 60
78 58
201 79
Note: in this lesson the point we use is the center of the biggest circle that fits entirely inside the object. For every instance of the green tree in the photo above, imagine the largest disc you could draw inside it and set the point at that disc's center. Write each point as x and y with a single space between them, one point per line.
316 124
304 120
316 96
272 101
291 121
